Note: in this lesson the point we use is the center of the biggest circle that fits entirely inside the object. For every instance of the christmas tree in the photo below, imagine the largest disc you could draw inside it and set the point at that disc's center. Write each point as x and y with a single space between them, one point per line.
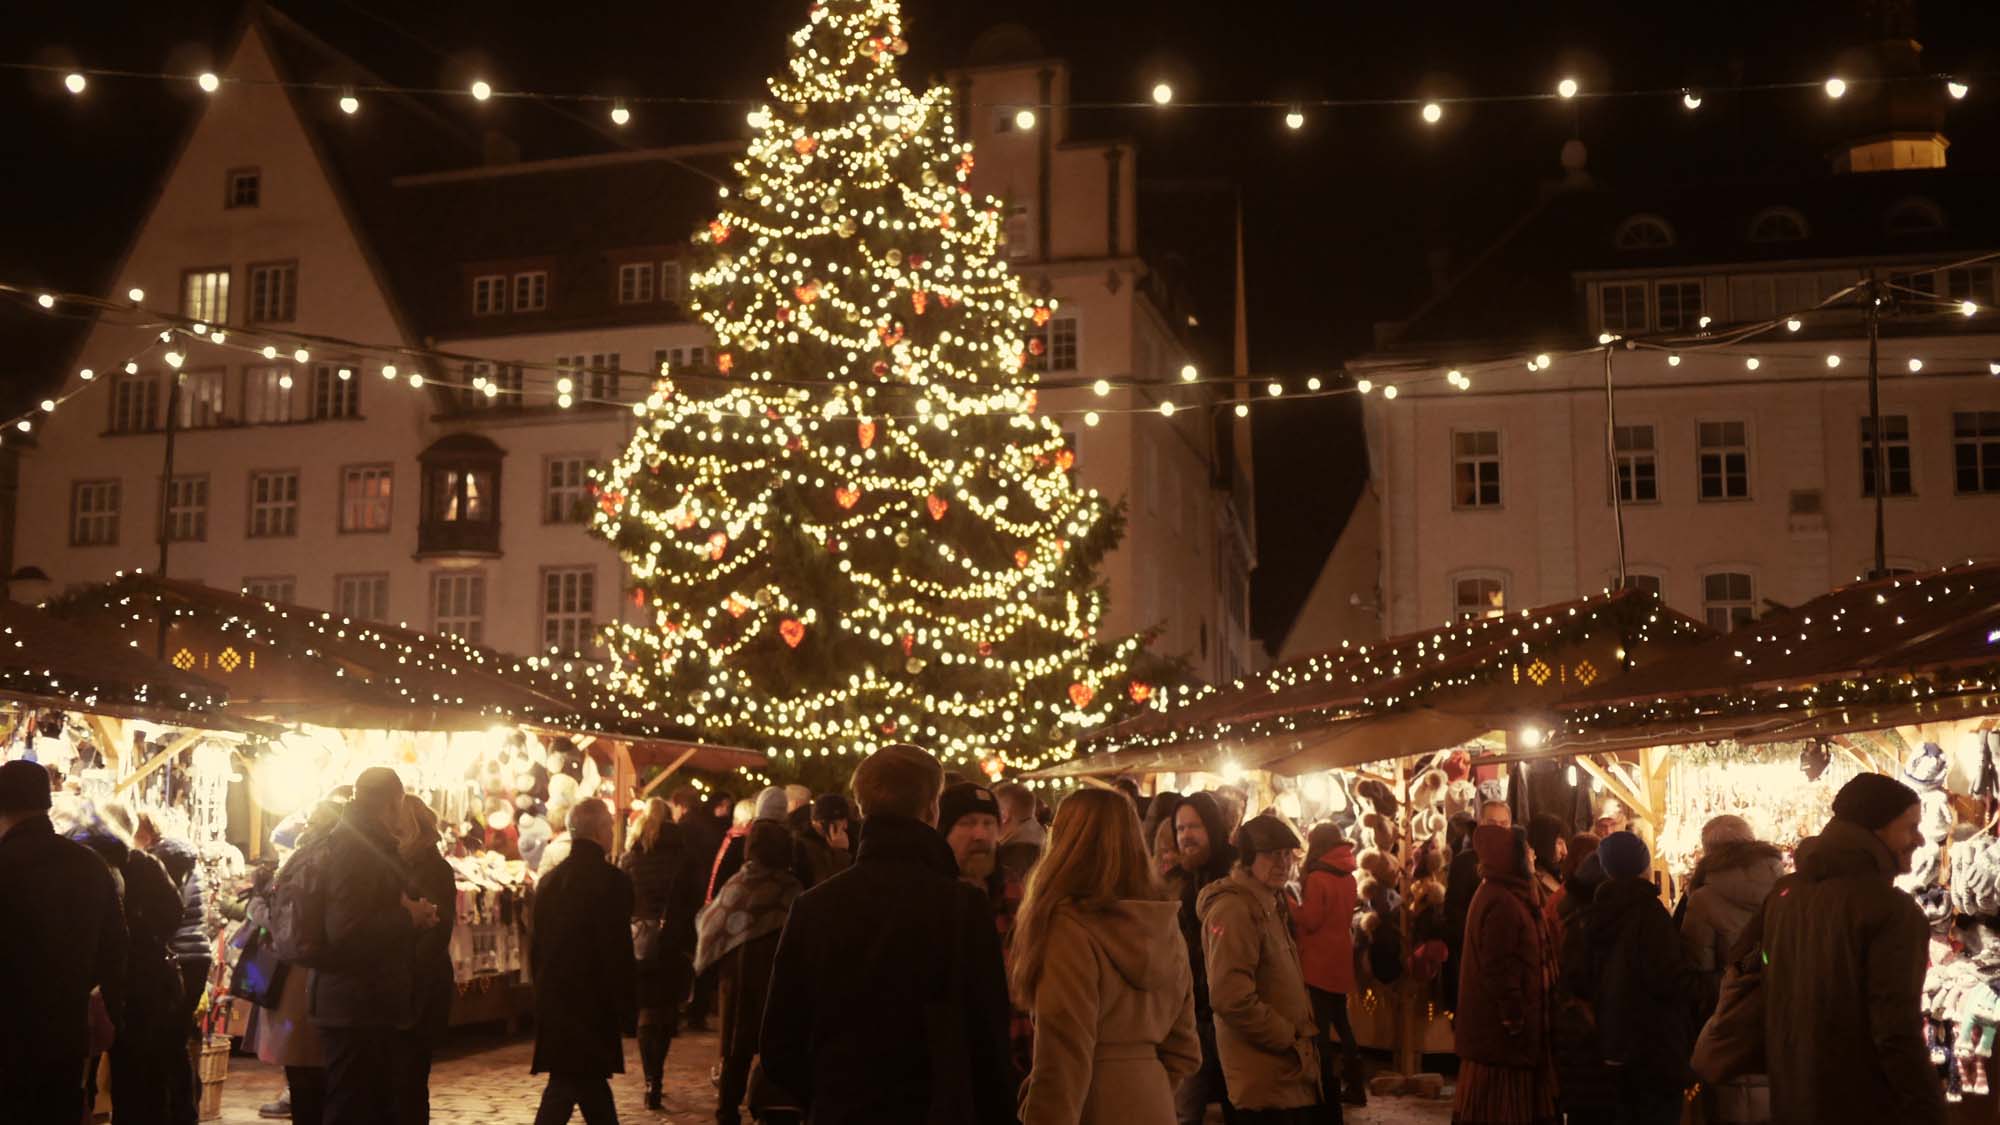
863 532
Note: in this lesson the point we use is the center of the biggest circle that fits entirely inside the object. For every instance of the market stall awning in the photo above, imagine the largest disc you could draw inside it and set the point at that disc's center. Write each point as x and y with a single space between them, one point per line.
50 663
1889 652
1403 695
293 664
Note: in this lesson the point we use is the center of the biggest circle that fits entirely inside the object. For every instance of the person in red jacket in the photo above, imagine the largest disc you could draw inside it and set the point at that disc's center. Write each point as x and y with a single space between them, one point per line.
1506 1073
1323 923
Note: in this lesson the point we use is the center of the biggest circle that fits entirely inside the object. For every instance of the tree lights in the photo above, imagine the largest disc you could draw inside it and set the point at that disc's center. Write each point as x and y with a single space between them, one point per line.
869 533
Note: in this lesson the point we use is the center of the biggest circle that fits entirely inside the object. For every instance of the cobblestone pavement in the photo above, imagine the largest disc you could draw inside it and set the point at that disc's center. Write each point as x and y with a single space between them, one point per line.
483 1077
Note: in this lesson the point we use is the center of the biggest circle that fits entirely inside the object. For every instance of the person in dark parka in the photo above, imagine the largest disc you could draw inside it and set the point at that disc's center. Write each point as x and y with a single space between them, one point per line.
656 862
361 995
1202 834
432 984
64 935
150 1043
585 979
189 946
900 942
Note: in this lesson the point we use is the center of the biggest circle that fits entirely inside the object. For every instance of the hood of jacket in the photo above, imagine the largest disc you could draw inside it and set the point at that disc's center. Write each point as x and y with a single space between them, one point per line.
1338 859
1845 850
1238 883
1141 938
1741 872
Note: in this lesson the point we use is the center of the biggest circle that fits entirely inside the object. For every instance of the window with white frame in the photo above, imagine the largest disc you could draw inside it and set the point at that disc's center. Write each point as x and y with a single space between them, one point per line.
279 588
135 403
673 282
1677 305
1723 461
1638 467
365 496
492 384
1975 450
1017 231
1621 307
489 294
1651 583
566 490
604 376
93 513
531 291
336 392
458 604
1475 468
635 283
274 292
569 605
1054 346
1474 596
1895 456
205 295
1971 283
186 514
361 597
274 504
245 188
1728 600
203 403
268 395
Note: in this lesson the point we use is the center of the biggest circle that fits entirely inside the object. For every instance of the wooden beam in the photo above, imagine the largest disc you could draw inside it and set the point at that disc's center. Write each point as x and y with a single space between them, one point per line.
1857 757
1096 782
160 759
112 744
1616 786
623 778
668 772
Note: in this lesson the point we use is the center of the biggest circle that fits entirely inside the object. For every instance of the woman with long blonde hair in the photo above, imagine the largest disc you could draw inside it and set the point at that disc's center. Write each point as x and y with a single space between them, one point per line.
1099 961
656 860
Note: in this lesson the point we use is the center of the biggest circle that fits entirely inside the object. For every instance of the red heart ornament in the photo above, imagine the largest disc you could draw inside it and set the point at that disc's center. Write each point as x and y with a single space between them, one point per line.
866 432
1064 459
792 630
1140 691
1081 695
717 544
846 496
1021 559
938 507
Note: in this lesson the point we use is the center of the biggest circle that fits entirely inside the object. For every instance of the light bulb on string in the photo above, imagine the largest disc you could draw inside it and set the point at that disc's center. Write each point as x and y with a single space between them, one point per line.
1101 388
1542 361
75 83
1243 410
1189 373
1793 324
1673 359
1090 418
1956 89
46 301
1566 88
481 91
1993 368
1274 388
1162 93
301 355
1295 119
1691 99
1835 87
135 294
1312 383
620 115
349 104
1968 307
208 82
1433 113
1024 119
1916 365
86 374
1753 363
1167 408
1832 360
388 371
1364 385
1389 391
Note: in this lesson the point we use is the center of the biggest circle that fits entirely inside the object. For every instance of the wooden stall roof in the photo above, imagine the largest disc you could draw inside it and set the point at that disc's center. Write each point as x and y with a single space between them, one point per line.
1404 695
290 663
1887 652
51 663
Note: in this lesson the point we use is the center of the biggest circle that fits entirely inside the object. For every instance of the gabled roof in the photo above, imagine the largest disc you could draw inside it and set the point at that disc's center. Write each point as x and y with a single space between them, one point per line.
48 662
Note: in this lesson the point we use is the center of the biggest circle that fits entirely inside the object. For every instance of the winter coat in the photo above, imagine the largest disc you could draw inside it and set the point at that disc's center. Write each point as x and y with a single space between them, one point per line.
1265 1034
152 912
1221 860
1624 959
876 943
581 952
1502 996
285 1034
815 860
1324 922
1461 883
1845 958
1114 1017
1732 882
729 856
365 980
432 983
190 942
659 895
1021 847
63 935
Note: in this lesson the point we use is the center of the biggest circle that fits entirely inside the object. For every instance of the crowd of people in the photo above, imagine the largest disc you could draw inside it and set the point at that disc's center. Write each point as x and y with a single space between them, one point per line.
935 950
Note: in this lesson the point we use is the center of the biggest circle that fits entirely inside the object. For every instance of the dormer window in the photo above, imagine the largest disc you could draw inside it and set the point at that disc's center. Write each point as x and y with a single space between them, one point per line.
1915 215
1643 232
1778 224
461 513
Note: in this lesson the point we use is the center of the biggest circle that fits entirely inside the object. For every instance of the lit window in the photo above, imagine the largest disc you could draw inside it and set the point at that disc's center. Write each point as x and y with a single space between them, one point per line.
186 515
268 395
135 403
205 295
1727 601
365 497
566 491
531 291
281 589
1778 224
274 290
1477 596
489 295
202 400
1975 450
1475 469
1895 455
1638 471
245 188
362 597
1622 307
569 597
333 396
458 604
1679 304
93 513
1723 462
635 283
274 504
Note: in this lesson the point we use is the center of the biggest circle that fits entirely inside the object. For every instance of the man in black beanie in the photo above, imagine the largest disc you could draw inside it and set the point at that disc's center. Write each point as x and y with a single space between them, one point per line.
64 934
1845 954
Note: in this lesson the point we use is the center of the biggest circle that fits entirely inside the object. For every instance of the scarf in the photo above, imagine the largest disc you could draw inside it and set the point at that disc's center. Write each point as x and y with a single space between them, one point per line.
752 904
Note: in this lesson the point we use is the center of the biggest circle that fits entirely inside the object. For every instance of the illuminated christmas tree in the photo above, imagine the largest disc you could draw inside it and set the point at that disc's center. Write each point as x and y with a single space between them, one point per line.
864 532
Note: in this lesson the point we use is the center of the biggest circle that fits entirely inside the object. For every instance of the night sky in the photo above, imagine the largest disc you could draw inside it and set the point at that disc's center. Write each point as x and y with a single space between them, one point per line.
1343 219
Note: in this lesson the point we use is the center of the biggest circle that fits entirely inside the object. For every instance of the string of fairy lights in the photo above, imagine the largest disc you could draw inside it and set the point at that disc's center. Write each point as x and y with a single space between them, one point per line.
1430 108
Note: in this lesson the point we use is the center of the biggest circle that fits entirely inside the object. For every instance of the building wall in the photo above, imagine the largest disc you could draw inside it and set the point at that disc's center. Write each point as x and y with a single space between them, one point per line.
1804 526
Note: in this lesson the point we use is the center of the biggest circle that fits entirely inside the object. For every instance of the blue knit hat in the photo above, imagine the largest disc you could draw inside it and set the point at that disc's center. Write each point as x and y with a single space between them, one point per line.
1624 855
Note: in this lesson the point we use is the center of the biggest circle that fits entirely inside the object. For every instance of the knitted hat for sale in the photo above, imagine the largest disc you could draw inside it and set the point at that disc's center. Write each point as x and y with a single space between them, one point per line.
1926 768
1872 800
966 798
771 804
24 787
1624 855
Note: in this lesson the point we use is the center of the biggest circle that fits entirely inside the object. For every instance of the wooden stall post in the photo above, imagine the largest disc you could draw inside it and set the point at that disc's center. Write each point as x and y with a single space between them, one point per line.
1409 1048
623 778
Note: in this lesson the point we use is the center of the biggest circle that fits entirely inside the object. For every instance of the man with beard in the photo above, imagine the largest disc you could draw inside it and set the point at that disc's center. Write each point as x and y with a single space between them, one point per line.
969 816
1201 833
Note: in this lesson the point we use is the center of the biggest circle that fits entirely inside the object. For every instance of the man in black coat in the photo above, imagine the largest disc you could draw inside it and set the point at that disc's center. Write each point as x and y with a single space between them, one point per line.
189 946
1201 832
585 981
63 936
700 878
361 995
898 941
1461 883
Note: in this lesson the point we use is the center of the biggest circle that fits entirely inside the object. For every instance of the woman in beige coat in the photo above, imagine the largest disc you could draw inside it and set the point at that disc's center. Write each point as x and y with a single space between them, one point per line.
1099 961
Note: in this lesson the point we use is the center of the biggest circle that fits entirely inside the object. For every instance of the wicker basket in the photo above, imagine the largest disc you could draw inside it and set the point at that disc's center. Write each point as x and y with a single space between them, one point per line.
212 1066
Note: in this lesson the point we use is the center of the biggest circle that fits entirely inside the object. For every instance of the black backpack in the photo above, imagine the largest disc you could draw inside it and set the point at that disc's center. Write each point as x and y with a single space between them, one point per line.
298 905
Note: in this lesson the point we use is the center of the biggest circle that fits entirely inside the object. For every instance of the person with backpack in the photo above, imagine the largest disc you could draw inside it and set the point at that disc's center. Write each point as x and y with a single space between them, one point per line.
361 993
284 1032
1323 922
